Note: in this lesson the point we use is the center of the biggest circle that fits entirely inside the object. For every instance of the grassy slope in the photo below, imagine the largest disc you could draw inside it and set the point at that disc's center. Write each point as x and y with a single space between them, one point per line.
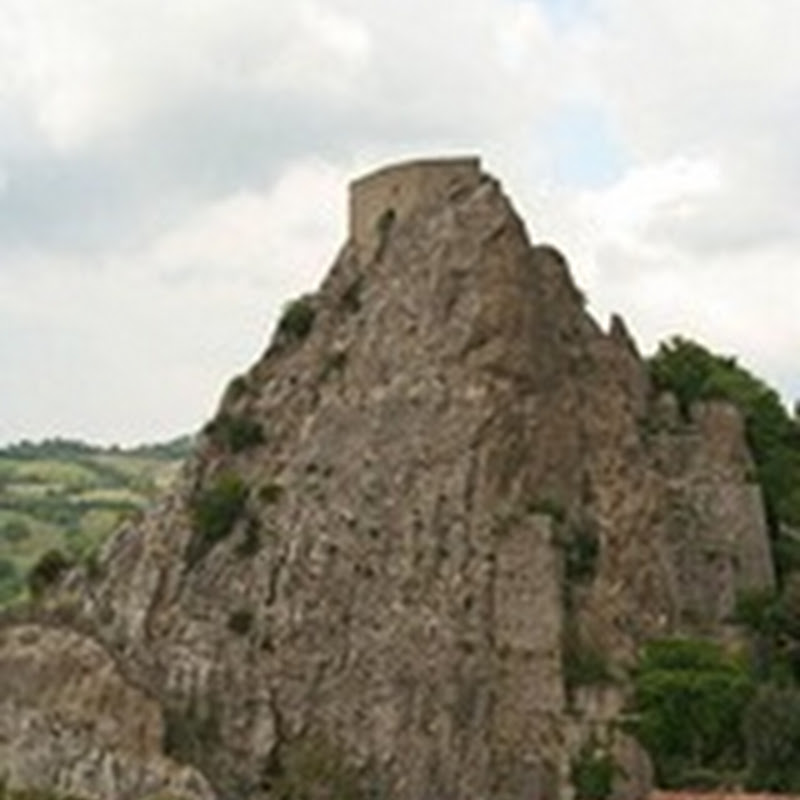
70 496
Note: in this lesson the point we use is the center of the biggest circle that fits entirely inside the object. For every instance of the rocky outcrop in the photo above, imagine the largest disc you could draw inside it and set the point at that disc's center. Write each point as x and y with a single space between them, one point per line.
69 721
443 502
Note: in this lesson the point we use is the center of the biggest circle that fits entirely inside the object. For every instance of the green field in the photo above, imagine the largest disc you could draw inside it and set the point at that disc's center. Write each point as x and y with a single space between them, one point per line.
69 496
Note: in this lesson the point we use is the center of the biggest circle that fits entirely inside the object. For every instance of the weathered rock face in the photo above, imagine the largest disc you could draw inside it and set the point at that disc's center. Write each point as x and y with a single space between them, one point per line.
441 490
70 721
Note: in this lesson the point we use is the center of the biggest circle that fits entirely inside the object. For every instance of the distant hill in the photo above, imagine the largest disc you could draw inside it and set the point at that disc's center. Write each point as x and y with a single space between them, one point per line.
66 495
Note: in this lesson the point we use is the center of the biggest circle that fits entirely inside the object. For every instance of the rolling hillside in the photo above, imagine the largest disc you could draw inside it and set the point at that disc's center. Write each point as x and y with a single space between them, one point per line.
68 496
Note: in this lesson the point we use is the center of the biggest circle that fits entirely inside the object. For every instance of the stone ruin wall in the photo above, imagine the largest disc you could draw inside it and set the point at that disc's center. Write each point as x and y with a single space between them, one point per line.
404 189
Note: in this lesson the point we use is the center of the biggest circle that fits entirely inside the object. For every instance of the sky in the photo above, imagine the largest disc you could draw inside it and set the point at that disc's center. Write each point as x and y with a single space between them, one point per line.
172 173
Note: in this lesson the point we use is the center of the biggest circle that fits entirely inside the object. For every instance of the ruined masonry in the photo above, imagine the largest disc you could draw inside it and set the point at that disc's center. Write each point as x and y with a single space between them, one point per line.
440 493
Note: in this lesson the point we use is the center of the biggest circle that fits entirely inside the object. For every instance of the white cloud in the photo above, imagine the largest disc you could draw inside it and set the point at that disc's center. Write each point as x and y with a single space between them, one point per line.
140 343
171 172
670 190
85 70
700 233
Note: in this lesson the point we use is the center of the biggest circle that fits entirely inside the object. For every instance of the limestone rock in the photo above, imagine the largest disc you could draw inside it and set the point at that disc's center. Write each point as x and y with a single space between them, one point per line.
438 491
70 721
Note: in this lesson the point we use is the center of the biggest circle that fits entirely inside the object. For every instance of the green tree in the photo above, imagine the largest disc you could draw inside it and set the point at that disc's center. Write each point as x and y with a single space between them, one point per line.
11 582
47 571
689 700
215 511
772 735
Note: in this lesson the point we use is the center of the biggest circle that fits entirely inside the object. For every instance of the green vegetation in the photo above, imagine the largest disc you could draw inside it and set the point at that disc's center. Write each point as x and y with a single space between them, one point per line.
707 718
772 739
11 581
581 547
237 388
592 772
297 320
694 373
270 493
193 732
67 495
351 297
548 507
689 702
215 511
235 433
47 571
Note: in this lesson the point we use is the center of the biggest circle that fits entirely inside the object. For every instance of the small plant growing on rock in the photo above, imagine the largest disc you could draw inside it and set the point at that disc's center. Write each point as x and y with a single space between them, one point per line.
190 734
351 297
297 320
47 571
237 388
214 513
581 552
236 433
593 771
270 493
547 506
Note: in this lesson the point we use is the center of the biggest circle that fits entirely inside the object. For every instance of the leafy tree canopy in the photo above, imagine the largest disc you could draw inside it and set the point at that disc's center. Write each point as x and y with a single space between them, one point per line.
689 699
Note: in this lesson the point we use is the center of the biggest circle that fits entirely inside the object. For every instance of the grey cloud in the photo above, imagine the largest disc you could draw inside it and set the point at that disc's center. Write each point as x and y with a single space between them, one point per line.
204 146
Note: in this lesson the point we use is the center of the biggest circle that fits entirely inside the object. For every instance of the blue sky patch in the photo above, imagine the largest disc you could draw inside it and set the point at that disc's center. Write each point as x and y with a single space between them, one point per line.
581 149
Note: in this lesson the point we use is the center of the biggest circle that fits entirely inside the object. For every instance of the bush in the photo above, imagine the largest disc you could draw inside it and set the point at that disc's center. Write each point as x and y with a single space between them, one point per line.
547 506
270 493
214 513
192 733
581 551
11 582
772 735
236 433
592 773
237 388
15 531
351 297
689 701
47 571
297 320
758 610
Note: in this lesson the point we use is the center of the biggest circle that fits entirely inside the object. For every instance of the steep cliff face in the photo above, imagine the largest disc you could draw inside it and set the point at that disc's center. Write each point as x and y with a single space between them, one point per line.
69 720
438 493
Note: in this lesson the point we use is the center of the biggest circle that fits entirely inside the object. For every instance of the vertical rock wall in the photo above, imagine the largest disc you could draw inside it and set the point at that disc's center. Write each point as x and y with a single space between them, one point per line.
461 487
